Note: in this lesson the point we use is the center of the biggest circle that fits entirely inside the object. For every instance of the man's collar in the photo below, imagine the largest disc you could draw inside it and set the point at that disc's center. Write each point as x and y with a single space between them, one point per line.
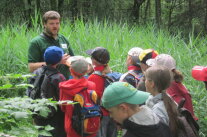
49 36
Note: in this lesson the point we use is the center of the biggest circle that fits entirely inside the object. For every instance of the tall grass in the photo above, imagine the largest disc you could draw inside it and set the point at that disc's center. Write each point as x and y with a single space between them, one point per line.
118 39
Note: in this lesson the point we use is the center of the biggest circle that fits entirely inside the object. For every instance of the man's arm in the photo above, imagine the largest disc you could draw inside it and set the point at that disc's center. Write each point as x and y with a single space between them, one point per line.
35 55
33 66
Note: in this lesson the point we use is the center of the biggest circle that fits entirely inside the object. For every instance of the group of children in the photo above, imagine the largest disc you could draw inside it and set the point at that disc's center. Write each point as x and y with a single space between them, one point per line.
143 103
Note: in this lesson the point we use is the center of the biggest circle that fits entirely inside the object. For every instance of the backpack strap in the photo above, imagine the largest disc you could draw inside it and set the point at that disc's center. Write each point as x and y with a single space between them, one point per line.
93 96
80 95
98 73
137 76
107 78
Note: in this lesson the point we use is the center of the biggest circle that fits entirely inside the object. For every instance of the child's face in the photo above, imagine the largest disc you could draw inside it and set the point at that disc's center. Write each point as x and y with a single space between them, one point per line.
90 69
144 67
149 85
118 113
129 60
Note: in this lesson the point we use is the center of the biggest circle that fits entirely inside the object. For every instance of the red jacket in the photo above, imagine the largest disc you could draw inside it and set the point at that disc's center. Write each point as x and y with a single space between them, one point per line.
68 89
99 81
178 91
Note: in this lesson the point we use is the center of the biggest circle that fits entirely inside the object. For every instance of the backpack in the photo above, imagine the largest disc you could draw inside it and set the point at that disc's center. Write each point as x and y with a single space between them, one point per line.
109 78
136 76
37 81
190 126
86 113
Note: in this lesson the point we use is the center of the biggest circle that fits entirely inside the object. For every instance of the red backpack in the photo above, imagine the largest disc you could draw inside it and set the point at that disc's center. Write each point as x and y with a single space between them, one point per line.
86 113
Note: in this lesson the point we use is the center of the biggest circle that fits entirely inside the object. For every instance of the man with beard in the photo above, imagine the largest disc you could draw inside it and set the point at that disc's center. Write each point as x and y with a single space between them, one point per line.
49 37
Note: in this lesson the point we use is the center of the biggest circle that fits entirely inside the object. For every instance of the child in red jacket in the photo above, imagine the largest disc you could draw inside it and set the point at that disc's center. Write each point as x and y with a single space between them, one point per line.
100 58
68 89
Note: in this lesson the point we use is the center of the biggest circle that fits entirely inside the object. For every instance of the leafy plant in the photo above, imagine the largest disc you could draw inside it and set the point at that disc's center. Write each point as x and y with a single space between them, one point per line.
15 111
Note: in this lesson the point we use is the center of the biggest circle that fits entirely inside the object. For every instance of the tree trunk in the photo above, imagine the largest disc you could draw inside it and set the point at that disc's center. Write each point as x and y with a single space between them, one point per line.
54 4
28 11
190 13
145 12
136 9
74 8
171 8
60 6
158 12
205 23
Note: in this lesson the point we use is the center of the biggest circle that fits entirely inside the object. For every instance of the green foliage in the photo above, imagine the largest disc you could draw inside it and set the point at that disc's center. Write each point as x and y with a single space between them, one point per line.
16 115
16 111
118 39
174 13
14 81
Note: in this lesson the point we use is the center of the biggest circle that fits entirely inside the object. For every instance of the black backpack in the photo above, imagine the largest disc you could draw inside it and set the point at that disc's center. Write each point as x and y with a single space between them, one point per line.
40 77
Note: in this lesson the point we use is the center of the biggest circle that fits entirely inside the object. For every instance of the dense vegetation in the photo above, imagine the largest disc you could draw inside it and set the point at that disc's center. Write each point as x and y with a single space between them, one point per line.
118 39
187 15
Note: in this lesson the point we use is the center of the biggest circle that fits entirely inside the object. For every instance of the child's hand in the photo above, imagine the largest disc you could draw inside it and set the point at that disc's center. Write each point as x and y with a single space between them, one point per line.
64 59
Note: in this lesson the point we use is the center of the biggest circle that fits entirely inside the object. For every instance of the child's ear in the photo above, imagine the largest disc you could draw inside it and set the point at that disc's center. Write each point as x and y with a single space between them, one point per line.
123 107
71 72
152 84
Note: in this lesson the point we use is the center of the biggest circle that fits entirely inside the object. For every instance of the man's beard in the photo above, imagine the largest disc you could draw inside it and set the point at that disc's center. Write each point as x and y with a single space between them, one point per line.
48 32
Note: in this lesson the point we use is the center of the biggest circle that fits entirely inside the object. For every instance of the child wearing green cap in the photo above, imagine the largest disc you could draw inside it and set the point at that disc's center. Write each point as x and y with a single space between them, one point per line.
123 102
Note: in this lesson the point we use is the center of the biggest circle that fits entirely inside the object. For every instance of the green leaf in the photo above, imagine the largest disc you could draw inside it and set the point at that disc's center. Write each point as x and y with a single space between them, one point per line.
45 133
48 128
38 127
6 86
19 115
43 111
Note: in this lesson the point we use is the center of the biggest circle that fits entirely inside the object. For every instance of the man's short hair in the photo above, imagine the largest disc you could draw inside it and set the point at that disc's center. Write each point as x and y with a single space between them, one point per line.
50 15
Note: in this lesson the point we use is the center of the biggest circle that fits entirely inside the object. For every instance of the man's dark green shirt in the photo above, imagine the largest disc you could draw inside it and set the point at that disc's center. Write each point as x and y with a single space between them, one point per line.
39 44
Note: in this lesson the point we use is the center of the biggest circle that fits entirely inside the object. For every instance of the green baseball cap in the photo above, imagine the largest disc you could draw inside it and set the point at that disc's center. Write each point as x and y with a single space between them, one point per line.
122 92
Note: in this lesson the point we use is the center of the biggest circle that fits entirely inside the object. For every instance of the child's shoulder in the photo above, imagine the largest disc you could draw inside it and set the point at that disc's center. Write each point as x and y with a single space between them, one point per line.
91 85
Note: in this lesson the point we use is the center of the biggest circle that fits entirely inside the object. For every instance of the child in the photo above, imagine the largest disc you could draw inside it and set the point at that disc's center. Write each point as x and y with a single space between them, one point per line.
176 90
134 73
68 89
157 80
146 55
100 58
123 102
52 57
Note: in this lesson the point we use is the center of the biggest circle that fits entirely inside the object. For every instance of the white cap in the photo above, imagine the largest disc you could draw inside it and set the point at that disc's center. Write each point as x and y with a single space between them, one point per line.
135 51
163 60
88 59
73 58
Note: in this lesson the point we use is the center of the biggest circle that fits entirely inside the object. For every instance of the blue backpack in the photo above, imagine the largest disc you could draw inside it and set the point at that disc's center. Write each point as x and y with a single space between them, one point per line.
109 77
87 114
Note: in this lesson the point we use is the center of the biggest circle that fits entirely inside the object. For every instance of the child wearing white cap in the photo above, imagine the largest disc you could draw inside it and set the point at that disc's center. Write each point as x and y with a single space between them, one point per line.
176 89
134 73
